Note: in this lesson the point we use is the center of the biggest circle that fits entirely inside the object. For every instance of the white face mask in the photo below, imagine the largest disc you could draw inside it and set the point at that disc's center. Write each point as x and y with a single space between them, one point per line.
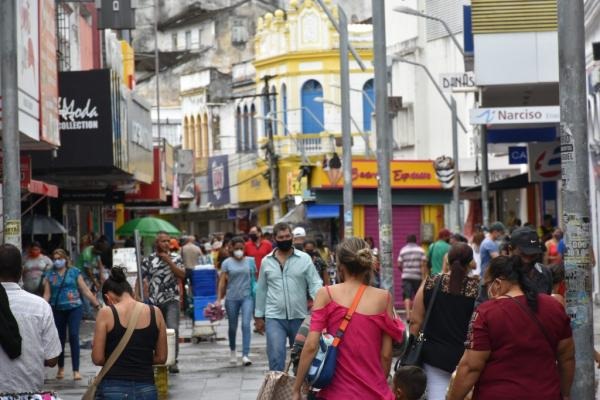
238 253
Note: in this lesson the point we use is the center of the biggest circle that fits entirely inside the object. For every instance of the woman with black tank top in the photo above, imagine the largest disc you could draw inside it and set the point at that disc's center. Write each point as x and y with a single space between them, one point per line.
446 329
132 375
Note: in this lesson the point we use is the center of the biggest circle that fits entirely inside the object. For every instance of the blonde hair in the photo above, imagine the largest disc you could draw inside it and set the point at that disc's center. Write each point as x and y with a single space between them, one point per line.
62 254
356 255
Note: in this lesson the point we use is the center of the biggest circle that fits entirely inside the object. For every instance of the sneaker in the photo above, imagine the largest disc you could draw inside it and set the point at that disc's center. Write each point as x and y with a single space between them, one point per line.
174 369
233 357
246 361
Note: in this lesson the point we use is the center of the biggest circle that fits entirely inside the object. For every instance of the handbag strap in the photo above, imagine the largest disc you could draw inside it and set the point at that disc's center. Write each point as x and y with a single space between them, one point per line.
536 320
436 289
60 288
342 329
122 343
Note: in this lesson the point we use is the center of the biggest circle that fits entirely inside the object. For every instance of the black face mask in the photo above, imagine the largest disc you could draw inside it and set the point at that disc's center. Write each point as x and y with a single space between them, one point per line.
284 245
253 237
299 246
310 252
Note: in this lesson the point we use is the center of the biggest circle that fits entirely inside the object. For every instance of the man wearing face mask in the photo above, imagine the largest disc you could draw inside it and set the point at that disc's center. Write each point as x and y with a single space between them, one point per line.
256 246
35 264
299 235
525 243
285 277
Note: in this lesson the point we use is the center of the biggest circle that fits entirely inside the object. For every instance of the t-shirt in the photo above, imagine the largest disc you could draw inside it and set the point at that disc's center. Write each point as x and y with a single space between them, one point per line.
258 252
411 256
191 255
238 277
522 363
33 271
488 246
40 342
64 295
436 254
163 285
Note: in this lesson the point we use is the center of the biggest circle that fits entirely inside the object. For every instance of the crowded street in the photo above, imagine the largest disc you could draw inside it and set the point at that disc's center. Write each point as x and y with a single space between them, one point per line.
300 199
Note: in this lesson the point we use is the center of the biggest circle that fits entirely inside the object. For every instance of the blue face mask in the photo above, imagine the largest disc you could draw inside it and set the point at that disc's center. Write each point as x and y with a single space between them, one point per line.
60 263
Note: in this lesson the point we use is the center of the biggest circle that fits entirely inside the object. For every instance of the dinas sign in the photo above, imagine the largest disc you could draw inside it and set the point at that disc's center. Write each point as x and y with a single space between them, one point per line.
460 80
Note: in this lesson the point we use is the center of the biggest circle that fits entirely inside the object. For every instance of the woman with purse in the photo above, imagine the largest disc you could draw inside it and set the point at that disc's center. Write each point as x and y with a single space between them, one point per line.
63 286
130 337
364 353
519 345
237 280
449 299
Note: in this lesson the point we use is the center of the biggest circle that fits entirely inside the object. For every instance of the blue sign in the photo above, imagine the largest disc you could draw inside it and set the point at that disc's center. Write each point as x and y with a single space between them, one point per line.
517 155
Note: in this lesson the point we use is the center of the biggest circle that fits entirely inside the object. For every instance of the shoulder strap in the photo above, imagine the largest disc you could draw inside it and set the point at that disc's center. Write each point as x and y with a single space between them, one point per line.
60 288
348 317
536 320
436 289
122 343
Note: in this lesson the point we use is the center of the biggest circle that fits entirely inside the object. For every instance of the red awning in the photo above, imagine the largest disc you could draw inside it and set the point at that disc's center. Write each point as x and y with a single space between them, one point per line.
42 188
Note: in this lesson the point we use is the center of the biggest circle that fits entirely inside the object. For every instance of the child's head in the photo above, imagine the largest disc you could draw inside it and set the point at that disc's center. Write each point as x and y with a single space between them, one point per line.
409 383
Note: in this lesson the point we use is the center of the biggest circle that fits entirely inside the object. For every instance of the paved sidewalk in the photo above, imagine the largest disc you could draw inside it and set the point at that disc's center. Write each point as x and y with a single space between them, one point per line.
205 369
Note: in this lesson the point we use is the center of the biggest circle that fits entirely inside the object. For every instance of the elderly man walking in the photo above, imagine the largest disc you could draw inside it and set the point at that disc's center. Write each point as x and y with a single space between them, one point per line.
285 278
161 270
29 340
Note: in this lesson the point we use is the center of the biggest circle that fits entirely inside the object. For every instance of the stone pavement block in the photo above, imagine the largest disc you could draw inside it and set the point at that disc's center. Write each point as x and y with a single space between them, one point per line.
251 384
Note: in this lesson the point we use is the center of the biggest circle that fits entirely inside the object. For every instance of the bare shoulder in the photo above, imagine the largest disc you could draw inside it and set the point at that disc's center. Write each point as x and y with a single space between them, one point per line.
381 296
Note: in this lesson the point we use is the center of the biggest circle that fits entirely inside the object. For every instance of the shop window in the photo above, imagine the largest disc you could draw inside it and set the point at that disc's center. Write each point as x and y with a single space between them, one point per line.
312 111
368 94
284 108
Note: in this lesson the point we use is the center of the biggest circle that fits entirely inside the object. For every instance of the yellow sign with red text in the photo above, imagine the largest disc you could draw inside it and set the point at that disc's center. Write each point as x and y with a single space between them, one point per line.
403 175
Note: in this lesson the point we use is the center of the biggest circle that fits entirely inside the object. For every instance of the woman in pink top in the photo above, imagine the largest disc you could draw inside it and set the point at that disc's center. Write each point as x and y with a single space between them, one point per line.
365 352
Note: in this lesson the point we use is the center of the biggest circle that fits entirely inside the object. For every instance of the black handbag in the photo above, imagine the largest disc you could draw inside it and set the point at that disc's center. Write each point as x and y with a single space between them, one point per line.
414 354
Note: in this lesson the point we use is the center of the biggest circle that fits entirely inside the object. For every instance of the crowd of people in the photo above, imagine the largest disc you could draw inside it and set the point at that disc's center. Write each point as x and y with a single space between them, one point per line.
461 296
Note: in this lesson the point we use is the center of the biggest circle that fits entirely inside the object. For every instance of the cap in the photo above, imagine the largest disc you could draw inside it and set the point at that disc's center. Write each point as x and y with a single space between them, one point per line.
497 226
526 240
299 232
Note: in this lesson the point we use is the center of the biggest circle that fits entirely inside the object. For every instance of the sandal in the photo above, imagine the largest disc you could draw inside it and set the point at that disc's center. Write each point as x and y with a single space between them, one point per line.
76 376
60 374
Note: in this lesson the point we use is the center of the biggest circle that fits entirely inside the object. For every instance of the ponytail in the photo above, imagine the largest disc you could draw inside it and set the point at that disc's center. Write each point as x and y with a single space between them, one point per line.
522 272
460 256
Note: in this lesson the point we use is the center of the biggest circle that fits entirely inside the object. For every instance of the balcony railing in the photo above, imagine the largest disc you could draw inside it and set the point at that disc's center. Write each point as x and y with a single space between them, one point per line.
305 145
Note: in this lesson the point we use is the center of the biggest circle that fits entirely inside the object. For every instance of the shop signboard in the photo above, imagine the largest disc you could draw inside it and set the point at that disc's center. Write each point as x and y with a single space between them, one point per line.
515 115
185 175
140 146
48 74
544 162
25 170
218 180
421 174
517 155
116 14
457 81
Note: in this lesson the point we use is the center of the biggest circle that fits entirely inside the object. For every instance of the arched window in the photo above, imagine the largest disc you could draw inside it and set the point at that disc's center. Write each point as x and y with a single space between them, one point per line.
197 137
253 127
284 108
274 116
266 109
205 149
312 111
186 133
246 118
238 129
368 101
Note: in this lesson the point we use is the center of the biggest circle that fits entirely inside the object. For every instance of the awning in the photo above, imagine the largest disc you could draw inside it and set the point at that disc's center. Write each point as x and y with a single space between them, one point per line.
42 188
514 182
317 211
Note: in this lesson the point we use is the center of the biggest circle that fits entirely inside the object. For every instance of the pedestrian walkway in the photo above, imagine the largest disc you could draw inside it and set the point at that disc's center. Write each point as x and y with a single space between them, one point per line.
205 369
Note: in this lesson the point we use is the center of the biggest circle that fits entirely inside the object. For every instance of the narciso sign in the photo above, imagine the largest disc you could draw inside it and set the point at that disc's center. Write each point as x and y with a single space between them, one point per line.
515 115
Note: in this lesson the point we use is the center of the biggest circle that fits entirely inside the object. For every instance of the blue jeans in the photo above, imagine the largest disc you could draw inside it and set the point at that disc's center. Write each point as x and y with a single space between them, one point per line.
116 389
70 319
170 311
233 308
278 330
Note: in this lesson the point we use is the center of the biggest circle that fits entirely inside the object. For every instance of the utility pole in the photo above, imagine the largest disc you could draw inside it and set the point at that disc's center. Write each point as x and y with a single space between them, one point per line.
273 158
485 180
384 145
157 67
456 188
575 192
346 129
11 165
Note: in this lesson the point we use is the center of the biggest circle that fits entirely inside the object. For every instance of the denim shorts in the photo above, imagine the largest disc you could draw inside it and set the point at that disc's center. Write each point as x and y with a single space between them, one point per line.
116 389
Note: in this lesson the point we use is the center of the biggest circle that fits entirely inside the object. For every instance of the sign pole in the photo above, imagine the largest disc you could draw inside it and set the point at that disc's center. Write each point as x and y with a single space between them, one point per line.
485 183
575 191
11 176
384 146
138 258
346 129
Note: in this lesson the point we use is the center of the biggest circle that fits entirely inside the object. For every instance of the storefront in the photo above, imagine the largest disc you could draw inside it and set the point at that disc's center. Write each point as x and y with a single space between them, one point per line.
417 202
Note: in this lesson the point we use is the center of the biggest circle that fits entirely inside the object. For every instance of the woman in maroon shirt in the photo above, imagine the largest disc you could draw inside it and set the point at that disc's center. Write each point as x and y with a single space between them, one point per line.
519 344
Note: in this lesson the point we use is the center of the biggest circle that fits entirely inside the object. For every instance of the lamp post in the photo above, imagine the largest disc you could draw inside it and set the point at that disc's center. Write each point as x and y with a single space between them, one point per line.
455 123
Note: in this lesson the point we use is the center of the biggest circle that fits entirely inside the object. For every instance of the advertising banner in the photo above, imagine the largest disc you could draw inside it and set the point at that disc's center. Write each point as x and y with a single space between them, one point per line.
544 162
185 175
218 180
48 73
140 146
